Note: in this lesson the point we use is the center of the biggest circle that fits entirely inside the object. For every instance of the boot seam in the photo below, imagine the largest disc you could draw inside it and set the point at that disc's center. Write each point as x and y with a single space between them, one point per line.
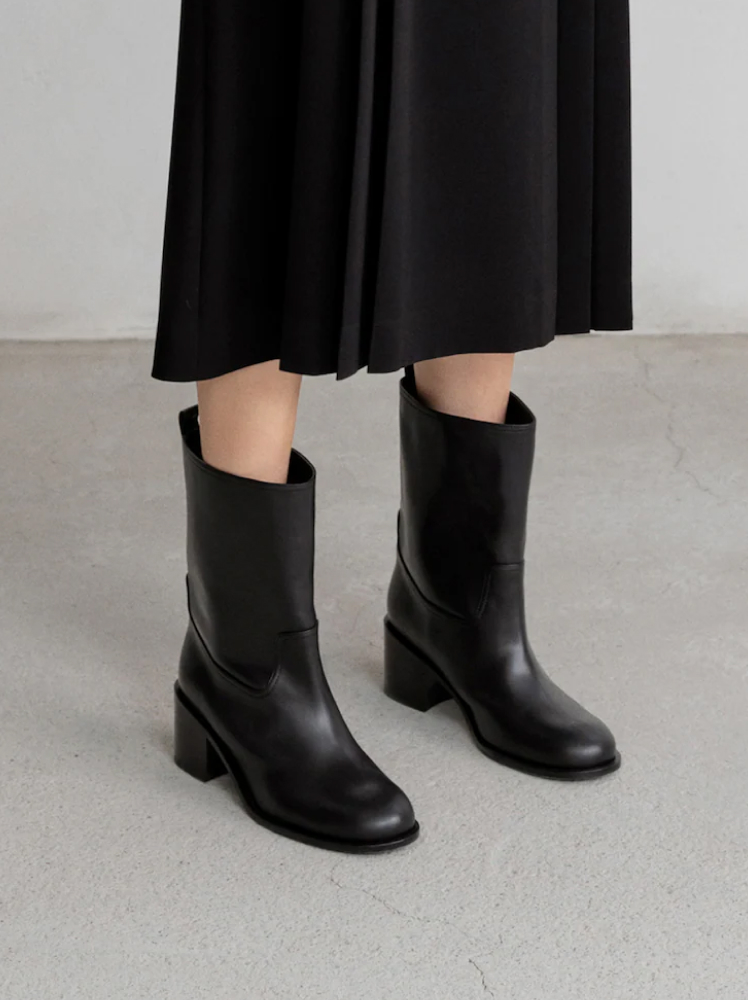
489 580
229 675
451 616
255 692
432 608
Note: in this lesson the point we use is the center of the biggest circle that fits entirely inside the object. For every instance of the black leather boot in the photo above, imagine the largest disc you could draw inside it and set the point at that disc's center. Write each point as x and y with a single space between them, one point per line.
456 621
252 698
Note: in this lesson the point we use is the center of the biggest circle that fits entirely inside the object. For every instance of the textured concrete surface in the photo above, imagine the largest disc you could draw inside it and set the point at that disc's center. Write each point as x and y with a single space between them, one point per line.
124 878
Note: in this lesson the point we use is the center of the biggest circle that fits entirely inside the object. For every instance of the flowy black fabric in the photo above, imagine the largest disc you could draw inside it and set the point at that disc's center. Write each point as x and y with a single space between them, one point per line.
378 182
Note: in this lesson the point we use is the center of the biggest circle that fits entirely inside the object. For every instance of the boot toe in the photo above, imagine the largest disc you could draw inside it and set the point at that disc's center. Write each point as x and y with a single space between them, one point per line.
389 816
590 747
364 809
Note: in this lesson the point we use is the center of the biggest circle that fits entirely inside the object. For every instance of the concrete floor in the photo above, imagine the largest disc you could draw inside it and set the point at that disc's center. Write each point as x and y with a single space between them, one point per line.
124 878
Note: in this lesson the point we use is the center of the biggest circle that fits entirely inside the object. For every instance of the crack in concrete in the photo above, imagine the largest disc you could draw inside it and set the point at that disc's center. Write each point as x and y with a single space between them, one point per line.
397 912
484 980
670 434
487 989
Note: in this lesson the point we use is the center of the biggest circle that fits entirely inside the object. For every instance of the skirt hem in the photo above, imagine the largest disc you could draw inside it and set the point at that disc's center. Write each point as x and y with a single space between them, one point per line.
486 344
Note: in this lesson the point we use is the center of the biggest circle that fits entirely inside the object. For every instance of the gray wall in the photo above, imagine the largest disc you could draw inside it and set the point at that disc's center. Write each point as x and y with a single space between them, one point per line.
86 90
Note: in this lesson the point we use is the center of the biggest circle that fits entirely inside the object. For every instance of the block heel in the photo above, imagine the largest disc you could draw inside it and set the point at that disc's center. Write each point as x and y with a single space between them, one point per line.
408 679
193 750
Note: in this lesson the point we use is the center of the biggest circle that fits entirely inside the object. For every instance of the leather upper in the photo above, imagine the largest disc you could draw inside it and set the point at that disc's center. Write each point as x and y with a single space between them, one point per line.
457 592
250 663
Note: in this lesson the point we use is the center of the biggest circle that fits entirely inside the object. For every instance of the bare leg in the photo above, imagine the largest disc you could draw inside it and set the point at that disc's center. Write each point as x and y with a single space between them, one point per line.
247 421
476 386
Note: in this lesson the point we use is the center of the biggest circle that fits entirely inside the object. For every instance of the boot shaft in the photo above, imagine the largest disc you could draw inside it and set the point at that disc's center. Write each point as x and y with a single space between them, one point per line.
250 554
465 491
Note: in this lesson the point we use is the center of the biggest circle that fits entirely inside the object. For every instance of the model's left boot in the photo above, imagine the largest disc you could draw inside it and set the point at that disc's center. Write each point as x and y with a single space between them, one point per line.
455 626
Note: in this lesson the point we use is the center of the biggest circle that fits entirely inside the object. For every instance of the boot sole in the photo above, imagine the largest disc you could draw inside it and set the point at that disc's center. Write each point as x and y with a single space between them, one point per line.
200 753
414 681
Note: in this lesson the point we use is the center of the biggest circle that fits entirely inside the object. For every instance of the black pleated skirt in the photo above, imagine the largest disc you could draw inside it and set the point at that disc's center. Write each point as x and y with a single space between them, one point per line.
378 182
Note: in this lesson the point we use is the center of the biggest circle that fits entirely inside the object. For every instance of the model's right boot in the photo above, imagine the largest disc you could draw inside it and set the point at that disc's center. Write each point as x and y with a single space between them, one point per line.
252 698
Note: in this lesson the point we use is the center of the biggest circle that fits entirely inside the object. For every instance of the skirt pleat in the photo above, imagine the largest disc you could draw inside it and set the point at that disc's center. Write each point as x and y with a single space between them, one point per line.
374 184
